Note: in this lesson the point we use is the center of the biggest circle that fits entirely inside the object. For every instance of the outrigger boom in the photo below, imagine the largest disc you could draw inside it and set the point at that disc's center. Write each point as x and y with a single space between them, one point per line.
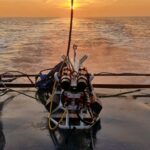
6 77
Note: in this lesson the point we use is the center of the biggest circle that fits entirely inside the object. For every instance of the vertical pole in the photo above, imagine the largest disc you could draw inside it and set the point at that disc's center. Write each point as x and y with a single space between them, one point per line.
71 24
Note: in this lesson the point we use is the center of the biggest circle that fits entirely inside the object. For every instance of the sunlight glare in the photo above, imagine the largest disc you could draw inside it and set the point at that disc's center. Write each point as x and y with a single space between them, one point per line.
67 4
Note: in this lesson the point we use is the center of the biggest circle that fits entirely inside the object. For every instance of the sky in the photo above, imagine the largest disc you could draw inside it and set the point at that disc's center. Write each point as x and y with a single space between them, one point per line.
83 8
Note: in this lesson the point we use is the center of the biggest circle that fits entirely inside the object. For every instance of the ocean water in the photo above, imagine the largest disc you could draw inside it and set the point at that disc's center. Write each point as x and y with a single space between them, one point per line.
113 44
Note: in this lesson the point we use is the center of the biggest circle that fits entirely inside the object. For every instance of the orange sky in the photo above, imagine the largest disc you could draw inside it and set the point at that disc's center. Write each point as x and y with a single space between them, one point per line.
84 8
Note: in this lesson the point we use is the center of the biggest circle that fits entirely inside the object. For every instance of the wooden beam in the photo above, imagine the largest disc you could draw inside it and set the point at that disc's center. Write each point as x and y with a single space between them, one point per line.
107 86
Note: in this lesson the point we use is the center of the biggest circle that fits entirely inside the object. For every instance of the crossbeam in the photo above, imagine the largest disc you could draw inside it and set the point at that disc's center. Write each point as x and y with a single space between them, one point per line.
122 86
18 75
106 86
13 85
96 75
122 75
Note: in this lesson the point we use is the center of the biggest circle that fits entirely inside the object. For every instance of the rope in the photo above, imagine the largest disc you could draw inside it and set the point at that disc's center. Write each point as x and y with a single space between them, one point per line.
9 73
67 61
6 90
118 94
51 106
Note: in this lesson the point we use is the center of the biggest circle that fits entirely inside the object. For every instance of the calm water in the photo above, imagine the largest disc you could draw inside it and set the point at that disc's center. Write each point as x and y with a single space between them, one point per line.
113 45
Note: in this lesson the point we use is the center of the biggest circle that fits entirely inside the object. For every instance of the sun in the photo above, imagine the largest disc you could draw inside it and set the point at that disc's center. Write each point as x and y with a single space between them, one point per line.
76 5
67 4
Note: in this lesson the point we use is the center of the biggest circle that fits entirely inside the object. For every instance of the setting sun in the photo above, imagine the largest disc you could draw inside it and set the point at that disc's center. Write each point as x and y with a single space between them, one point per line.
60 8
67 5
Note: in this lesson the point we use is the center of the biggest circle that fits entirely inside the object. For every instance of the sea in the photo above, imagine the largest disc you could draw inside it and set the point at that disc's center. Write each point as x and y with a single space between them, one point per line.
113 44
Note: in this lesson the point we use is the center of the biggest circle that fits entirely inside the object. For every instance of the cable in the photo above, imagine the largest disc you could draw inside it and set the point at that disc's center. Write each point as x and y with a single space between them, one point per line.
50 111
18 77
83 120
51 102
6 90
118 94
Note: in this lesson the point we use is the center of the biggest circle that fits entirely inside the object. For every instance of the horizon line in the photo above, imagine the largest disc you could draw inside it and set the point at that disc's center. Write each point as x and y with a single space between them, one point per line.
74 17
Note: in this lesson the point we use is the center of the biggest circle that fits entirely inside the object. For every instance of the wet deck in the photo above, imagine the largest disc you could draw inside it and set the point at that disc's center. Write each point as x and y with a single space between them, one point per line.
125 125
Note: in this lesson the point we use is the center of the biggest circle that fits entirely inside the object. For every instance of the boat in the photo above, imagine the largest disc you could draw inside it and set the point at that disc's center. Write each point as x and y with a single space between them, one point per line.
74 109
67 93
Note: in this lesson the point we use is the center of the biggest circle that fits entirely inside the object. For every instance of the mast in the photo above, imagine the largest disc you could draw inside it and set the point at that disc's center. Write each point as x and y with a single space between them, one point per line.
70 31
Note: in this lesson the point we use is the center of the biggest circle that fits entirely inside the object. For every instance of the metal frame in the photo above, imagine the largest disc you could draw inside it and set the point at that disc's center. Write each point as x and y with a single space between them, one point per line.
67 117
